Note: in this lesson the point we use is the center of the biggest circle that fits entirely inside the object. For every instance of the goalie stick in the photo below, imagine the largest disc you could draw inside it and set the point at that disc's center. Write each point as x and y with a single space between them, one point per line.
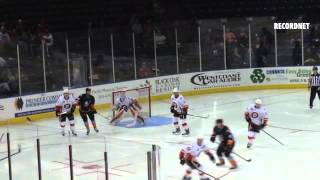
18 151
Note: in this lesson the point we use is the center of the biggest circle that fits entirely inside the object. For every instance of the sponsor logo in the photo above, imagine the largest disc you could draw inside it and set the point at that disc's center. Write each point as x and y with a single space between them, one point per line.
275 71
41 101
257 76
18 103
204 79
166 84
34 112
299 72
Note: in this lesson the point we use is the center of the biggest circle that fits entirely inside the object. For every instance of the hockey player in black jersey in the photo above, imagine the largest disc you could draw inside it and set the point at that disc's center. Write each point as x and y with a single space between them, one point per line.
226 145
86 102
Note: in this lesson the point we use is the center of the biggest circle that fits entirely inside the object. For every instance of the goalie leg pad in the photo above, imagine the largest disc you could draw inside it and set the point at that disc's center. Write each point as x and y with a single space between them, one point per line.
117 116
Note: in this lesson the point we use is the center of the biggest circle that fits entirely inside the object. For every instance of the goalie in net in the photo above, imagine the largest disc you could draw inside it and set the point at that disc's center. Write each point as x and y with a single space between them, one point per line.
124 104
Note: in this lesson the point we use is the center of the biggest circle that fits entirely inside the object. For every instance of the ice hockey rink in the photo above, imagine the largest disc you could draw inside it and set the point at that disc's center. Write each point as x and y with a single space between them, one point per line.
127 148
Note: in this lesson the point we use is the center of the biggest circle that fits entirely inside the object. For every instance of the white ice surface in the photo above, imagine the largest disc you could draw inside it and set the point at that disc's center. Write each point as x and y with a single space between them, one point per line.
298 159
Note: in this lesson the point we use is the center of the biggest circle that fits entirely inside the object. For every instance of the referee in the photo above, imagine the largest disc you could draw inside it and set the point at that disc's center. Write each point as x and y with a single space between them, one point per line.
314 85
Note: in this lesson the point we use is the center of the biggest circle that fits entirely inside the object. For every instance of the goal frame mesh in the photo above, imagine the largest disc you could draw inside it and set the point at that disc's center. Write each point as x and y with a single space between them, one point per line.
147 99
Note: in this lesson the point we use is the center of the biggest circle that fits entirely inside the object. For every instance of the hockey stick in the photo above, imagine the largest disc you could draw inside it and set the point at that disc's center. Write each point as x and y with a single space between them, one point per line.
105 117
215 178
205 117
241 157
279 127
19 151
273 137
238 155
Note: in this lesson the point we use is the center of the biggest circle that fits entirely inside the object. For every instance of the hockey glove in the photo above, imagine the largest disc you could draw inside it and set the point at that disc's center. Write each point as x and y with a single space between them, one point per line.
262 126
58 111
182 162
196 164
73 108
213 138
247 117
125 108
211 157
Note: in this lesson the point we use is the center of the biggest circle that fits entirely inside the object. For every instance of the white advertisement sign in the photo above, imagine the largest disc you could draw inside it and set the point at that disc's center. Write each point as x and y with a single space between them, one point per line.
40 103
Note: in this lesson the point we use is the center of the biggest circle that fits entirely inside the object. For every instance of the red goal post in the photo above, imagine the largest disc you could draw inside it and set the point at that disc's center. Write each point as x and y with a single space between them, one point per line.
142 95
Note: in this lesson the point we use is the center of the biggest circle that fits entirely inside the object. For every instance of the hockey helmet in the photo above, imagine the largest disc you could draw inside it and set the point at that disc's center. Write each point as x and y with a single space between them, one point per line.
66 91
175 90
258 101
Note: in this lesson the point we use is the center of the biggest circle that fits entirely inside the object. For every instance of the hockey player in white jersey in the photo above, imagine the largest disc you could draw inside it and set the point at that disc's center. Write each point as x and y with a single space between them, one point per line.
123 104
65 107
189 155
179 109
257 118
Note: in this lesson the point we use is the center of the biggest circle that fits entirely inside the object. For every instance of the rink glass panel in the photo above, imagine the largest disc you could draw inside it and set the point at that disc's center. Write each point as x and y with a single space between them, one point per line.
31 62
101 57
56 63
123 54
166 48
289 46
188 46
212 50
144 43
262 42
79 59
237 43
311 40
9 81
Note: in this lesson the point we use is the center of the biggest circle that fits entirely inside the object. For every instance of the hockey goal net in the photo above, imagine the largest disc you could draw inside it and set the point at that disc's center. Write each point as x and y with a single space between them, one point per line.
142 95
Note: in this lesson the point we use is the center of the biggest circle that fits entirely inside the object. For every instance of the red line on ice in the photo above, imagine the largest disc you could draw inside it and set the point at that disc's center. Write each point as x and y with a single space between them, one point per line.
123 165
85 162
123 171
62 163
56 169
96 172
